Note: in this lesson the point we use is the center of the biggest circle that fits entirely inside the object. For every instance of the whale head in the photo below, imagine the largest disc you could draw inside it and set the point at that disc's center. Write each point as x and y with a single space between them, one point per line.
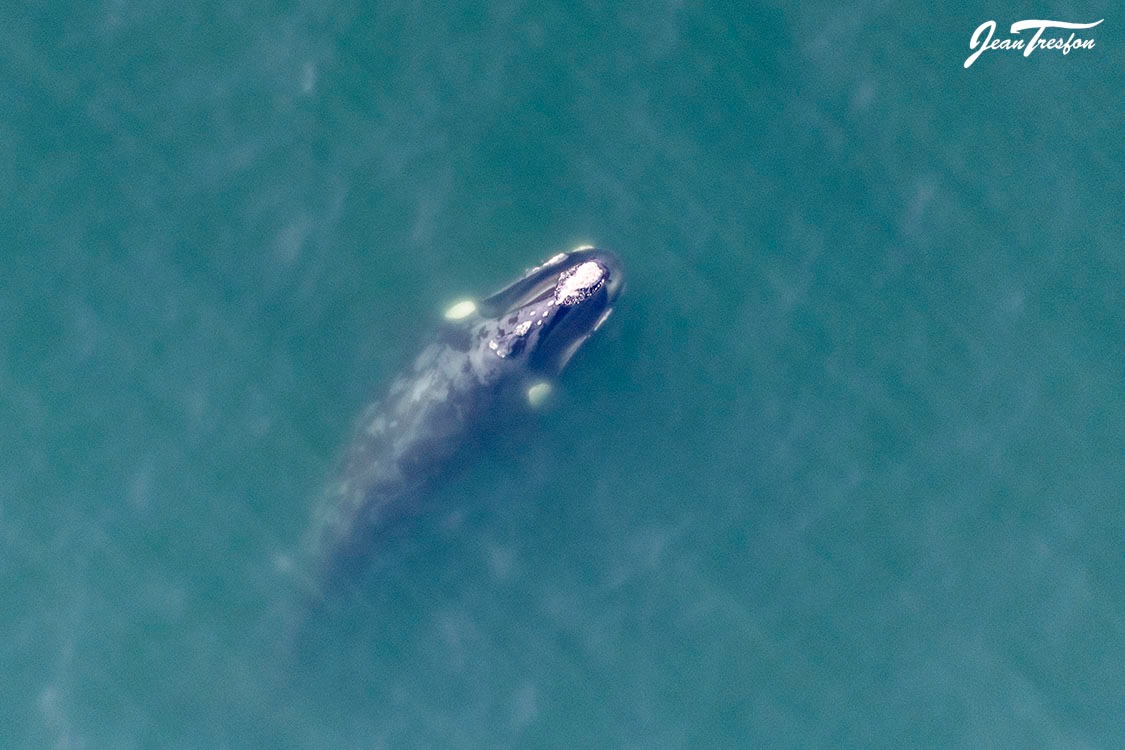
544 317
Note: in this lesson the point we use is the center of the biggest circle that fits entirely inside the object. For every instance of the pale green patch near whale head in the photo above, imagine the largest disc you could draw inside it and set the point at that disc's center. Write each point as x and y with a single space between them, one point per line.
538 393
460 310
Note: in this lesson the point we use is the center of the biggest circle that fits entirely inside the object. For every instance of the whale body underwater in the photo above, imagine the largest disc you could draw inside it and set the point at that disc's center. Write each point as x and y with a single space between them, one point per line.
489 359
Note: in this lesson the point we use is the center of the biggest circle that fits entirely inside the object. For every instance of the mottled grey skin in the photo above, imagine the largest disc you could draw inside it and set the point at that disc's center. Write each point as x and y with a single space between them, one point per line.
476 370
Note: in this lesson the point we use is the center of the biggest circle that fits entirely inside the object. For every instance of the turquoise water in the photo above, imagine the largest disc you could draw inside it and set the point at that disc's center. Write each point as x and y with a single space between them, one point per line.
844 469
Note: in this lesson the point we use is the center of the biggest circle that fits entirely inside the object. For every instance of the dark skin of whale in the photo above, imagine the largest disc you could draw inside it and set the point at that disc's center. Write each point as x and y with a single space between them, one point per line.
487 361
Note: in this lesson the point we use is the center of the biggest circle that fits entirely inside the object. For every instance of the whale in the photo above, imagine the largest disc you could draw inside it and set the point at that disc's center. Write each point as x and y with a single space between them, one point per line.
488 361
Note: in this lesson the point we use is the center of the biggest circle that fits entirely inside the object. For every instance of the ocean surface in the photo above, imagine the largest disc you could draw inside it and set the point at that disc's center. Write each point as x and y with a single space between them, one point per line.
846 469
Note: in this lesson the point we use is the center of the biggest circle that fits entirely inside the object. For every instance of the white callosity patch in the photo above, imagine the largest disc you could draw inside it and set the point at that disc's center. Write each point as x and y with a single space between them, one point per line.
507 341
579 283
